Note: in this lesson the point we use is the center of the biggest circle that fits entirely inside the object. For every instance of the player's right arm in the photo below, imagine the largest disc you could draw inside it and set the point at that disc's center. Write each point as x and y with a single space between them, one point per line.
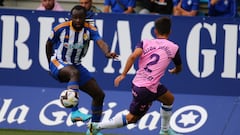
49 50
54 38
130 61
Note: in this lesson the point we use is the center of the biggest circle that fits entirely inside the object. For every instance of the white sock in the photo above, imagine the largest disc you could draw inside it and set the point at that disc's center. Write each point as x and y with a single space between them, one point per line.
166 112
116 122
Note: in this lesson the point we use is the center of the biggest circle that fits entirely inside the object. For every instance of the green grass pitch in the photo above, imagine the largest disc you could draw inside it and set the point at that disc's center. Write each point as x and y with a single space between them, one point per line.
30 132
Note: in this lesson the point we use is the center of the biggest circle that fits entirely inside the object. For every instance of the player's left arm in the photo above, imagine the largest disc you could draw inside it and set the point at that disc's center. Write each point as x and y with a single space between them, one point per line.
177 62
105 49
99 41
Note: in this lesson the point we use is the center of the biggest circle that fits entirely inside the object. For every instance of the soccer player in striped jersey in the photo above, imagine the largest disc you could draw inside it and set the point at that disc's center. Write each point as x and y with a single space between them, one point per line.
65 48
154 57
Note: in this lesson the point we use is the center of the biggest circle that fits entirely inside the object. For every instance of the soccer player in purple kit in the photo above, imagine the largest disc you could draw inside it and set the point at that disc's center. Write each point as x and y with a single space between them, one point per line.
65 48
154 57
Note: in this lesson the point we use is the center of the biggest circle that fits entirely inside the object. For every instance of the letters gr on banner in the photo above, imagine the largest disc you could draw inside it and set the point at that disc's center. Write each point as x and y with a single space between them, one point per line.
209 47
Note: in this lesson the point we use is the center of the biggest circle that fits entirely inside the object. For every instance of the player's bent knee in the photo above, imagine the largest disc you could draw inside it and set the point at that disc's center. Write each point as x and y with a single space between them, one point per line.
74 73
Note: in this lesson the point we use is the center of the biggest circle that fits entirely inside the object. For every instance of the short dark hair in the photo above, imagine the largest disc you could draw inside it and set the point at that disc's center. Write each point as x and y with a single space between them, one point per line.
78 7
163 25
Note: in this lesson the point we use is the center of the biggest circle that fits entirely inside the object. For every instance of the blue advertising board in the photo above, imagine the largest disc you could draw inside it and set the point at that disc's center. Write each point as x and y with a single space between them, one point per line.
207 91
38 108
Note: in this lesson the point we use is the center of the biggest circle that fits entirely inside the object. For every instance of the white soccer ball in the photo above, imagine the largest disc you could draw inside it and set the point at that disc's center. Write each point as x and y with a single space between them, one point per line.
69 98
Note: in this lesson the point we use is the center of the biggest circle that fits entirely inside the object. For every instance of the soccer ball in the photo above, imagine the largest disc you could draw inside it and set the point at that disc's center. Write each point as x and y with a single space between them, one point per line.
69 98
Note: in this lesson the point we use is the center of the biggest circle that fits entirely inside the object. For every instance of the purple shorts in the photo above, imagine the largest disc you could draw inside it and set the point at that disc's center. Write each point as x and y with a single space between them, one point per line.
143 98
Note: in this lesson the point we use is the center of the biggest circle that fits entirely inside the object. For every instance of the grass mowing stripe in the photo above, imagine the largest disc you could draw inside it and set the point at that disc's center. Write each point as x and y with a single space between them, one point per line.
30 132
35 132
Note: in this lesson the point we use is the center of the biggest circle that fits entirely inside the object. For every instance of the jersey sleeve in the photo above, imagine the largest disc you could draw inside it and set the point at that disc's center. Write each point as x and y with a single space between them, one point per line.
54 36
107 2
177 59
94 34
131 3
139 45
175 2
195 5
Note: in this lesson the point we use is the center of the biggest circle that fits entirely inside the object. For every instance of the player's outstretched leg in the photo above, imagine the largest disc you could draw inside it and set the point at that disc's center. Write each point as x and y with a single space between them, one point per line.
168 132
117 121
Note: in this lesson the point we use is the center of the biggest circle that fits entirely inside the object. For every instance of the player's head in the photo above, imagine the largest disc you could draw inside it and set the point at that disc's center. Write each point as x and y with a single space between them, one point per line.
86 3
78 15
163 25
48 4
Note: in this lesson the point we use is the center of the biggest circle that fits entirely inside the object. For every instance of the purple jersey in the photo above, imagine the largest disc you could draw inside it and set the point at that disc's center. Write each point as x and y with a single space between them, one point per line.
70 45
156 56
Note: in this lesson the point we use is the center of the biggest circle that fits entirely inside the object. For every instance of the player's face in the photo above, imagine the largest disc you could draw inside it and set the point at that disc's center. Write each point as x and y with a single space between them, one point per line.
78 19
48 4
86 3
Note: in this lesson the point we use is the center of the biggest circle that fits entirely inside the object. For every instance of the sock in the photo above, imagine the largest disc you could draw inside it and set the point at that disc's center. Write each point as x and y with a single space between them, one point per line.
116 122
73 85
96 113
75 108
166 112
